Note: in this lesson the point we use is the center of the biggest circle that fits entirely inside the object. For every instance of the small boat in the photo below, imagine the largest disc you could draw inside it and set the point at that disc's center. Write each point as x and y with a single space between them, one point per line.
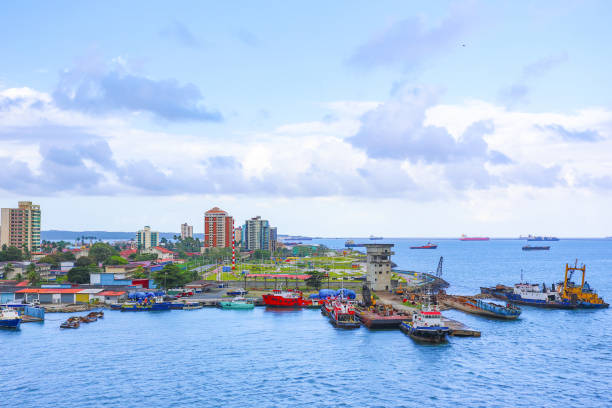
9 319
466 238
192 306
480 307
115 306
88 319
343 315
145 306
535 248
71 323
177 306
237 303
99 315
428 246
426 326
286 298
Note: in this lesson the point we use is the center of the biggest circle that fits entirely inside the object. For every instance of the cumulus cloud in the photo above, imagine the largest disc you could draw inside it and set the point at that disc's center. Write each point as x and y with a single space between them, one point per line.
396 130
101 89
410 41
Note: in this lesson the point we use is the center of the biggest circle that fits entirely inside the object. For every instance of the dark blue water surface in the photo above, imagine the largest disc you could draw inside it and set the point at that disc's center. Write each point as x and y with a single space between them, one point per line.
270 358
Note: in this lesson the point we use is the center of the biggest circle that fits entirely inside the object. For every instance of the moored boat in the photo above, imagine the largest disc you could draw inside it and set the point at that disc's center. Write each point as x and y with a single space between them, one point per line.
192 306
582 295
480 307
237 303
535 248
380 317
343 315
9 319
286 298
72 323
426 326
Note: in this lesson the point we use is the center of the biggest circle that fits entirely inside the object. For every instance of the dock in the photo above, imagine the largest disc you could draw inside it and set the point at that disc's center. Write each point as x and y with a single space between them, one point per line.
459 329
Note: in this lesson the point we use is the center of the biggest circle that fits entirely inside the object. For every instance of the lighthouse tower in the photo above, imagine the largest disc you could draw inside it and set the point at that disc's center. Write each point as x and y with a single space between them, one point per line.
379 266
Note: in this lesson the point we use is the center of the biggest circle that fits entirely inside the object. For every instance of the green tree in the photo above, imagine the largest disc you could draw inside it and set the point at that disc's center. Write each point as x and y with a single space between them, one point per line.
33 275
66 256
19 277
7 269
51 259
171 276
115 260
316 279
11 254
139 273
79 274
101 251
84 261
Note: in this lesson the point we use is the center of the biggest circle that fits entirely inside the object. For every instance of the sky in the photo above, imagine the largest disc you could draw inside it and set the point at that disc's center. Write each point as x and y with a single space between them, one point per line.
344 118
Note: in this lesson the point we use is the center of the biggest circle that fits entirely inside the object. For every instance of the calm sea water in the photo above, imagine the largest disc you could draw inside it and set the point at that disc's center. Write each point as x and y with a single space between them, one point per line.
270 358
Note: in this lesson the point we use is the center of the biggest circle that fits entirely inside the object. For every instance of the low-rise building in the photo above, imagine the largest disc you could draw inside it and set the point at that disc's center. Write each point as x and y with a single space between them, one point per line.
163 254
111 296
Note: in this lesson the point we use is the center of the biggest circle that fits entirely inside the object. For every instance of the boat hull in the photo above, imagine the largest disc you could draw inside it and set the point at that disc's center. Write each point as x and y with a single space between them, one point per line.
11 324
279 301
425 247
425 334
376 321
236 306
507 314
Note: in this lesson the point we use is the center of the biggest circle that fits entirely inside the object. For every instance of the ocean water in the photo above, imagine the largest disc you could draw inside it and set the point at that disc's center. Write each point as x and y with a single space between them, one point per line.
271 358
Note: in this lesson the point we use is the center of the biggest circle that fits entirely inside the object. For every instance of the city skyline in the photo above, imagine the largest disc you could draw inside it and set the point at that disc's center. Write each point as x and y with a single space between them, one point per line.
394 119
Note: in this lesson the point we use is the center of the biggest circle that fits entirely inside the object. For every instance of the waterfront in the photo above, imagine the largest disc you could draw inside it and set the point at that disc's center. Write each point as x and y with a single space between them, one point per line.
212 357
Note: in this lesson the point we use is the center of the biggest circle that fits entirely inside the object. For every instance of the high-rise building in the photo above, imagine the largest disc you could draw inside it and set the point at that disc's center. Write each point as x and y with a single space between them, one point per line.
20 227
186 231
256 234
218 229
273 239
146 238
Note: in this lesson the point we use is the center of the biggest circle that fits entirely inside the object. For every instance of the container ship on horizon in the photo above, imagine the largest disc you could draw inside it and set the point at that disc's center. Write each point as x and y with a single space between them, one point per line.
466 238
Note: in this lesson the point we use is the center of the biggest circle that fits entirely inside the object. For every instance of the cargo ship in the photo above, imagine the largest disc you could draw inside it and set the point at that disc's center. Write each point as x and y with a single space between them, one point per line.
426 326
466 238
535 248
428 246
286 298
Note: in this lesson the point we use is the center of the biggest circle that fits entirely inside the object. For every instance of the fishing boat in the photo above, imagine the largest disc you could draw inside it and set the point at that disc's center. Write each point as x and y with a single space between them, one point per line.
146 305
426 326
343 315
582 295
480 307
177 305
466 238
535 248
9 319
428 246
192 306
72 323
286 298
88 319
239 303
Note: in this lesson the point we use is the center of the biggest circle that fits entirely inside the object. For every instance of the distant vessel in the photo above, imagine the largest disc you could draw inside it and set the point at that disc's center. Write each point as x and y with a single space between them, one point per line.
428 246
349 243
466 238
372 237
9 319
535 248
541 238
426 325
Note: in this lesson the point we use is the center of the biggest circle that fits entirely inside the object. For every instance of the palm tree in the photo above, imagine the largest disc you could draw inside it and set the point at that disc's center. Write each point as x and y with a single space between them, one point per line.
32 275
8 268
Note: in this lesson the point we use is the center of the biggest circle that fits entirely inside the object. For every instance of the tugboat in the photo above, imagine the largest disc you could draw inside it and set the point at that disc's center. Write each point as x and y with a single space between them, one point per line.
426 326
343 315
237 303
286 298
9 319
428 246
582 294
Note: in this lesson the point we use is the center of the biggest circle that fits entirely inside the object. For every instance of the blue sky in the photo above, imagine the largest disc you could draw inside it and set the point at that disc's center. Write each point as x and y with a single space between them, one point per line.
474 115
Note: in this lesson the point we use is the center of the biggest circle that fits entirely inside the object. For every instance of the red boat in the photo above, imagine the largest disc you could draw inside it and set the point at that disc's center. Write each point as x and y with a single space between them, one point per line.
428 246
343 315
466 238
286 298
